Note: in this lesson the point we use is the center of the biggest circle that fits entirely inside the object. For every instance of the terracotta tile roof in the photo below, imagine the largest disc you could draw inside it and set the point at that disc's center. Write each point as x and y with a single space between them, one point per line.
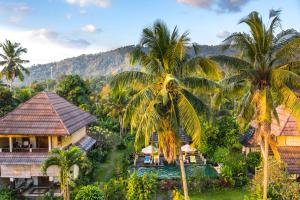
291 156
287 124
25 158
45 114
86 143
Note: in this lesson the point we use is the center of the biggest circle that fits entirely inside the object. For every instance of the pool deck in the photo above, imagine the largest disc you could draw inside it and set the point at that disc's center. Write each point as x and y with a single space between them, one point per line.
139 160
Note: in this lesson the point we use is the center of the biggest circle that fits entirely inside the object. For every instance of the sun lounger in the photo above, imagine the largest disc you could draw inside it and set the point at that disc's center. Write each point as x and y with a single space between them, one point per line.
147 160
193 159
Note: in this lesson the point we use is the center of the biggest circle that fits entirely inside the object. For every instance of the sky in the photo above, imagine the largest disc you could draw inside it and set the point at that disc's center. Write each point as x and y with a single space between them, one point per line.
53 30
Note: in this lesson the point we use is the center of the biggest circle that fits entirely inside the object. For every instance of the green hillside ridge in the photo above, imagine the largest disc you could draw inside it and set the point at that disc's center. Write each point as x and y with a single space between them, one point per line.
100 64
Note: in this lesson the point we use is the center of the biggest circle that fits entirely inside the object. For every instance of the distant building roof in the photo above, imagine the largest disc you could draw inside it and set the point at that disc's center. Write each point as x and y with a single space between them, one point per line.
247 139
45 114
183 136
86 143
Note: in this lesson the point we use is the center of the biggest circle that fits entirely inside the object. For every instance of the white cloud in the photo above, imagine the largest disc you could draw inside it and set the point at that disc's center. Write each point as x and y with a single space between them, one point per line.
223 34
69 16
46 46
89 28
82 3
197 3
21 8
82 12
217 5
12 7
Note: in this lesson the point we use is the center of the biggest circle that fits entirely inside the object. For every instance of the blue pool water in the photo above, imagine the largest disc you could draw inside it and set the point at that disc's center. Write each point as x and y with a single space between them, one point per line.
173 172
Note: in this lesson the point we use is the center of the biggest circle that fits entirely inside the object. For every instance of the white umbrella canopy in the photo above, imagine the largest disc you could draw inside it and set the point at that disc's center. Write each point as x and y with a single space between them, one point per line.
149 150
187 148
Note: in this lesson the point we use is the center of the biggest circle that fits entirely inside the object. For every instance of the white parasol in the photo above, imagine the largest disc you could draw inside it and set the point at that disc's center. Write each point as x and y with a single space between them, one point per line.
149 150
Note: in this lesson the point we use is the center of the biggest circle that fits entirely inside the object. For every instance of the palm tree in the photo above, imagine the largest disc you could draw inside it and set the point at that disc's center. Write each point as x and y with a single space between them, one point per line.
265 74
115 102
11 61
165 99
66 160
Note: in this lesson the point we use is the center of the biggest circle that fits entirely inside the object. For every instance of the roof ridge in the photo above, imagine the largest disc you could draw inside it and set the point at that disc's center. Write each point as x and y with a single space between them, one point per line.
51 104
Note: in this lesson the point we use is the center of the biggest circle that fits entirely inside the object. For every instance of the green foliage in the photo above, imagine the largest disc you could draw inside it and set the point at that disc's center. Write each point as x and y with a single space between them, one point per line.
7 102
115 189
23 94
90 192
253 160
65 160
234 168
122 165
97 83
141 188
7 194
176 195
37 86
97 155
74 89
202 183
47 196
281 187
224 133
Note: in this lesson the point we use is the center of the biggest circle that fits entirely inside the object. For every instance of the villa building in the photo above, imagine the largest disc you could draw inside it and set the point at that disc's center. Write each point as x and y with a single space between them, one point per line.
28 133
284 141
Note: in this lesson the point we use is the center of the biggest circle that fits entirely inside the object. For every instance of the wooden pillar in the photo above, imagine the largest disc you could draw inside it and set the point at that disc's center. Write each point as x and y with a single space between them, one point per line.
10 144
12 183
49 143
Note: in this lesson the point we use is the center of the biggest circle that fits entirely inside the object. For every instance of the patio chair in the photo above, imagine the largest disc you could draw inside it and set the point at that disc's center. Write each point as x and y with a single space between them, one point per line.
156 159
147 160
193 159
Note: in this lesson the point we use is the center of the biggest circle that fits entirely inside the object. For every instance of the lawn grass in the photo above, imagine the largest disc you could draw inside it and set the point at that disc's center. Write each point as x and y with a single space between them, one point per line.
229 194
104 171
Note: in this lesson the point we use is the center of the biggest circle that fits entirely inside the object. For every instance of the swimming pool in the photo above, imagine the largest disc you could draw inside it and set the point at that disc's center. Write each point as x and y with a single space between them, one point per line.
173 172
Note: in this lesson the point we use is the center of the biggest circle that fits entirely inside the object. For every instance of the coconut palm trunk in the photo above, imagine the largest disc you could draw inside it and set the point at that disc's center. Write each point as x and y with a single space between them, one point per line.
121 126
265 160
183 177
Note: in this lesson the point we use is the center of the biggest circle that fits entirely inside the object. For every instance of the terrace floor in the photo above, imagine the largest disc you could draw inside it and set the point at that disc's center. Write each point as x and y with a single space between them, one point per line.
36 191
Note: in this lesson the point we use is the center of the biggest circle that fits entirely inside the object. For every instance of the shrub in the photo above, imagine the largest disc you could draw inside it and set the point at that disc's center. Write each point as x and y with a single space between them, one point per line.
89 192
280 187
7 194
97 155
252 161
200 182
115 189
176 195
47 196
141 188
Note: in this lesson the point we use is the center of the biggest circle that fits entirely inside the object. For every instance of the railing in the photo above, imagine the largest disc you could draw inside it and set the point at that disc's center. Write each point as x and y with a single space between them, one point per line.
29 150
4 149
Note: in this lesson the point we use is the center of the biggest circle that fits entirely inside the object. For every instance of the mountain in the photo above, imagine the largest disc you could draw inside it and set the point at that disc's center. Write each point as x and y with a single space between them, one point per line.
103 63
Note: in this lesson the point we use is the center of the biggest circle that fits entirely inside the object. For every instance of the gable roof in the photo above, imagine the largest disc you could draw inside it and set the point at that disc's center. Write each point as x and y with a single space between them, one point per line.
287 126
45 114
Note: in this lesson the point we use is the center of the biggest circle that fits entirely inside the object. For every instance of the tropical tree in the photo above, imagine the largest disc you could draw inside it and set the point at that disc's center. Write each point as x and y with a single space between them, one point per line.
115 102
165 99
74 89
265 74
11 61
65 160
